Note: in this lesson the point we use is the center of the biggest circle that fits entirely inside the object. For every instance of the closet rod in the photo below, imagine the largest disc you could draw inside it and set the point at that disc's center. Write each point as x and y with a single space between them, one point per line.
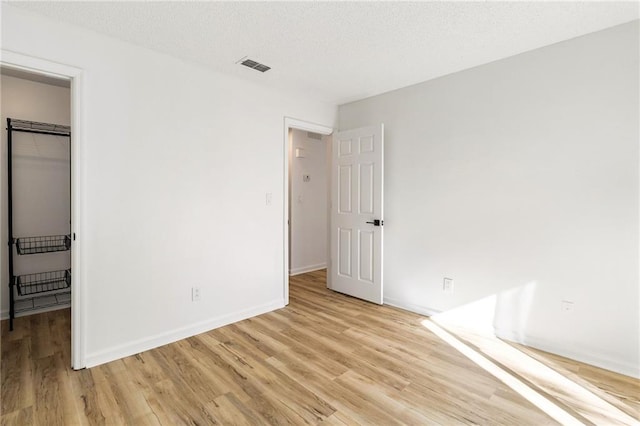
40 132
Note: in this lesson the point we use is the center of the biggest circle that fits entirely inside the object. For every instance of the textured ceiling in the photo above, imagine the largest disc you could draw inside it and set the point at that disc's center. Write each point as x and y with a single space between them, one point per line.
341 51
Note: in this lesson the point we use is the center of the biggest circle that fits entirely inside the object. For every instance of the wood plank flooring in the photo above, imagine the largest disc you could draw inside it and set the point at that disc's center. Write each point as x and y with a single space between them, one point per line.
326 358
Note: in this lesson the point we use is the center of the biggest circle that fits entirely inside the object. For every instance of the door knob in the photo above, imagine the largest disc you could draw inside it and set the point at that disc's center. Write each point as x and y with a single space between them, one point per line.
377 222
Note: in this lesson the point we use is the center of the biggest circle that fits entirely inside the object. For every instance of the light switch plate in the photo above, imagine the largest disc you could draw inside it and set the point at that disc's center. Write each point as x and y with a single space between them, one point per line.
447 285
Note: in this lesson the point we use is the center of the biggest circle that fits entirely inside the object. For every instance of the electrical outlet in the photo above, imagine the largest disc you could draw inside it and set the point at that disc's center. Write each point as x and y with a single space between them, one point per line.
447 285
195 294
566 306
268 198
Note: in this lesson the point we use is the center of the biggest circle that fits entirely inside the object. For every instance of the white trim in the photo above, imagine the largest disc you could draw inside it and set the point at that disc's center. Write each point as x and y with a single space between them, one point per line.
422 310
78 293
31 64
587 356
618 366
292 123
147 343
42 66
308 268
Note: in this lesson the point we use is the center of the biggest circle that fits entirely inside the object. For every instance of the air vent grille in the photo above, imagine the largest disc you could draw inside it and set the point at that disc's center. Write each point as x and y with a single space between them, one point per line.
261 68
255 65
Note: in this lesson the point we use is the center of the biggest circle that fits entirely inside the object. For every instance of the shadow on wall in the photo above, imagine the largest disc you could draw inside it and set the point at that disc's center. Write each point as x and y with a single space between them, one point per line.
505 311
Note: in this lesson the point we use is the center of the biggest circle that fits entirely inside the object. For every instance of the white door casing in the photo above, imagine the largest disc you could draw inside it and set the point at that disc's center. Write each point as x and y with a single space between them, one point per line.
35 65
356 203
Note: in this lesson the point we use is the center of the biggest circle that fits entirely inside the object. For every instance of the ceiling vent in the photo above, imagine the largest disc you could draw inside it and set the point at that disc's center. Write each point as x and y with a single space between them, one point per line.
253 64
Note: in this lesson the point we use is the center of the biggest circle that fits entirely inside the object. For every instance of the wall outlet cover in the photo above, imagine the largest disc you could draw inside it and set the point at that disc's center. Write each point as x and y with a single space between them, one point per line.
566 306
195 294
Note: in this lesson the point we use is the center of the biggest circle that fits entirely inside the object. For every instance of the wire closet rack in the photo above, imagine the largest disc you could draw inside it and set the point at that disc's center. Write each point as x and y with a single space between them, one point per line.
42 289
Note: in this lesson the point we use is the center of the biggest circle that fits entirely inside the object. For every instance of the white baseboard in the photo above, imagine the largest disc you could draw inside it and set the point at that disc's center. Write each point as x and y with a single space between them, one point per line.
619 366
305 269
599 360
422 310
147 343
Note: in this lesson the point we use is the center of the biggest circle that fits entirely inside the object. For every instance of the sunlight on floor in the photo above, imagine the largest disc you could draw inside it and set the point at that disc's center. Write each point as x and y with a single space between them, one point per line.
591 406
517 385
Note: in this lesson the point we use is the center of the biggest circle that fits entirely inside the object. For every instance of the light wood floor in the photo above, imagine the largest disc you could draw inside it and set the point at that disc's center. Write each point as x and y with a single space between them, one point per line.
326 358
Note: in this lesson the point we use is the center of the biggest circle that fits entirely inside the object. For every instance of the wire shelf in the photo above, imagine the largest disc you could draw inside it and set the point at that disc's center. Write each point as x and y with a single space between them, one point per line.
35 126
43 301
37 290
43 282
45 244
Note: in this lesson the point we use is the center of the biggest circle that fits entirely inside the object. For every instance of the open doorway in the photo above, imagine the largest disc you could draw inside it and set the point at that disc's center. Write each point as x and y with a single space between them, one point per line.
42 99
309 198
307 148
36 196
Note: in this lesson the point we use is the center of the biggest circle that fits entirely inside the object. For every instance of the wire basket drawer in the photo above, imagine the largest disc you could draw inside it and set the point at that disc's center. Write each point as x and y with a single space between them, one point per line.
45 244
43 282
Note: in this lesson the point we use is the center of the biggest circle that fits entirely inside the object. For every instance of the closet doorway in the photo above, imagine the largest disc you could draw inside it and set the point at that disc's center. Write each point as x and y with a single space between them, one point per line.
39 182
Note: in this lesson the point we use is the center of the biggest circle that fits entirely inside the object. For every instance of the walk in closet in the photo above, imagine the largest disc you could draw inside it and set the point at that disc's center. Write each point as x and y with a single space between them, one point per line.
38 187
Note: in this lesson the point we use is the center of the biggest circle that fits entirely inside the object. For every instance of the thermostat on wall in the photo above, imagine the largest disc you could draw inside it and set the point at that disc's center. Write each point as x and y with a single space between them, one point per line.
299 153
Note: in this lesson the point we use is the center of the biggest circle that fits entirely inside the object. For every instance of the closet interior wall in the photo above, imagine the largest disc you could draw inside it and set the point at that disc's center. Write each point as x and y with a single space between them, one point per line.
308 201
41 170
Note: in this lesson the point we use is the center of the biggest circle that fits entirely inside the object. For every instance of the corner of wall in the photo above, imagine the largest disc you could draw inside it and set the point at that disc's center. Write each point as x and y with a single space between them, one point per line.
599 360
422 310
151 342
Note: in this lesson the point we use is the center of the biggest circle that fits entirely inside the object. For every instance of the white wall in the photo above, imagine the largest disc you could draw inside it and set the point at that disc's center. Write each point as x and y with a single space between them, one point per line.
308 203
521 174
40 174
177 162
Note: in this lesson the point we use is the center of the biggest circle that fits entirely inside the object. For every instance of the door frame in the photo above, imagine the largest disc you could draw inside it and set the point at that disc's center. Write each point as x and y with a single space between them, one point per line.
40 66
293 123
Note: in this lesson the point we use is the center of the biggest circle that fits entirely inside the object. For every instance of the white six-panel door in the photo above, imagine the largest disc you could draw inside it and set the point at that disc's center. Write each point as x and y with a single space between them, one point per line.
356 205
